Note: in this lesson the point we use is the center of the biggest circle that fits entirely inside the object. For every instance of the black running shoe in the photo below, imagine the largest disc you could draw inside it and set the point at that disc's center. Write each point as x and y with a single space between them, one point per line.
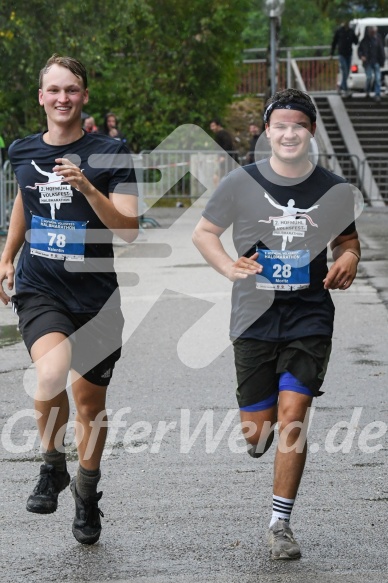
44 498
87 521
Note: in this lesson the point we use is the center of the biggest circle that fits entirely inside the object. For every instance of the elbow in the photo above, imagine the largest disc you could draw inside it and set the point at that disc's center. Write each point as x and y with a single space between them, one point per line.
195 238
130 233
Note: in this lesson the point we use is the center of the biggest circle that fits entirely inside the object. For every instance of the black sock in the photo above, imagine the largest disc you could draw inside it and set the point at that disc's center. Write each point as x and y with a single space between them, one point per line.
87 481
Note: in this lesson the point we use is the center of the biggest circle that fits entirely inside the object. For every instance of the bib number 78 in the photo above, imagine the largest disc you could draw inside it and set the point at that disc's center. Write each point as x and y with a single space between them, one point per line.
58 239
281 270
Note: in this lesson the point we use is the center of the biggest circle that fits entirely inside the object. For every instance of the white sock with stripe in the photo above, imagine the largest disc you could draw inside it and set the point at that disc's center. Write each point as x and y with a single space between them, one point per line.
281 509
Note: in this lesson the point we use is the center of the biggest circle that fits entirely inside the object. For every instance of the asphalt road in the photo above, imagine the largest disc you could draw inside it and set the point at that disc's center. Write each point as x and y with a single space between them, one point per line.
182 501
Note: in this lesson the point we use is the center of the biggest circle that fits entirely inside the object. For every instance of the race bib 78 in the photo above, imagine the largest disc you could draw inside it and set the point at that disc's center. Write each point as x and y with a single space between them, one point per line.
57 239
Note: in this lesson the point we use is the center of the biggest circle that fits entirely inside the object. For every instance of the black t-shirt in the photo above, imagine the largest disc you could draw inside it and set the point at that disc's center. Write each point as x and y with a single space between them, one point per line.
224 139
297 217
345 38
84 282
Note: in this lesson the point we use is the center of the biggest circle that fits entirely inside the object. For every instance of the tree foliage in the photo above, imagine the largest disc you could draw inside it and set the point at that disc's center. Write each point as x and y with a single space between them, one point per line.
156 63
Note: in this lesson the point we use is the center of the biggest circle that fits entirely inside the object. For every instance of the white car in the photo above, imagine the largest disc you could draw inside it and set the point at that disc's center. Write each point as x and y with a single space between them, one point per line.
357 78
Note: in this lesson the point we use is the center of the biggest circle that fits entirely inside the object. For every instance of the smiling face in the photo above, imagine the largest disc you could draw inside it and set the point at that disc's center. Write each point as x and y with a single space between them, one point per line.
289 132
62 95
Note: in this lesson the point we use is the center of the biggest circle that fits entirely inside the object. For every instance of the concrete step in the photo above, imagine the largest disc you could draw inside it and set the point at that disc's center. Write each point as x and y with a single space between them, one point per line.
364 131
370 139
367 121
373 150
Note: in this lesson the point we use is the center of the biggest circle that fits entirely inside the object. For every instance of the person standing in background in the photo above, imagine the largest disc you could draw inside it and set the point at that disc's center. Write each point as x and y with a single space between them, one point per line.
255 134
372 54
225 140
110 127
90 125
344 38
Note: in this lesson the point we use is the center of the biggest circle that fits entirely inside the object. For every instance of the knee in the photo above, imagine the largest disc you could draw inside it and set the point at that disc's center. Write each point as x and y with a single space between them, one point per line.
292 425
51 381
90 411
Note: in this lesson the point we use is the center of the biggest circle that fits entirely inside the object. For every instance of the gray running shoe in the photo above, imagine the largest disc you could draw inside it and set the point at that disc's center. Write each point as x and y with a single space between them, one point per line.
281 541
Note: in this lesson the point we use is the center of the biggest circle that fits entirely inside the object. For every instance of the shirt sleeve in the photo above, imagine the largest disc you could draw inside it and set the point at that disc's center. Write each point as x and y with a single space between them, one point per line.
220 209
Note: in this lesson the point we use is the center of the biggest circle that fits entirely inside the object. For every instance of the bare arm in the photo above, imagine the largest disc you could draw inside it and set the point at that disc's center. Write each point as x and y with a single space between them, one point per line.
15 239
118 213
206 238
346 254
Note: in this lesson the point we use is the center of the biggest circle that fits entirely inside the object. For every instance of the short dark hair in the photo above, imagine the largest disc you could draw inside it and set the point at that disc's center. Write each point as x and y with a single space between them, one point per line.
290 97
216 120
75 66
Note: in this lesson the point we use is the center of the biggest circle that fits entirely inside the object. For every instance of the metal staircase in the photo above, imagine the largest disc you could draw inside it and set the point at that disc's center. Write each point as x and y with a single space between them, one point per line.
358 131
370 121
348 166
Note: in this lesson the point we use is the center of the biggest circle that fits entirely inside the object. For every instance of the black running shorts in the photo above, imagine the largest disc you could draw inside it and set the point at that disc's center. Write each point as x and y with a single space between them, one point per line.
96 339
259 365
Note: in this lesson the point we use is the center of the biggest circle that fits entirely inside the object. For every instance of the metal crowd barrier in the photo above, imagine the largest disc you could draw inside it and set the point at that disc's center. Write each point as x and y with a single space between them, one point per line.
161 175
173 174
8 192
186 174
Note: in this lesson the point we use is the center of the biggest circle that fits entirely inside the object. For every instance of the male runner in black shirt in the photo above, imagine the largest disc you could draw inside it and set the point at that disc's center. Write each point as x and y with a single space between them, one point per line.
75 190
284 212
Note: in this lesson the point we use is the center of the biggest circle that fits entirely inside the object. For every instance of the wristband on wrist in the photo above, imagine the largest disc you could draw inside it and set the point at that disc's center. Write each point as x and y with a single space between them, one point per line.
354 253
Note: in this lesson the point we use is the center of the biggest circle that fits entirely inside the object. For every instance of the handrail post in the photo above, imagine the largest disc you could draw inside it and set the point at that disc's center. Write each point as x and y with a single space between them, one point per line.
289 56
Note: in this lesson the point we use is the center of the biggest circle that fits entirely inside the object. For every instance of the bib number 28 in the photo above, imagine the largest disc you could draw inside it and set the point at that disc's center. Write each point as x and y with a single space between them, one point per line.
281 270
